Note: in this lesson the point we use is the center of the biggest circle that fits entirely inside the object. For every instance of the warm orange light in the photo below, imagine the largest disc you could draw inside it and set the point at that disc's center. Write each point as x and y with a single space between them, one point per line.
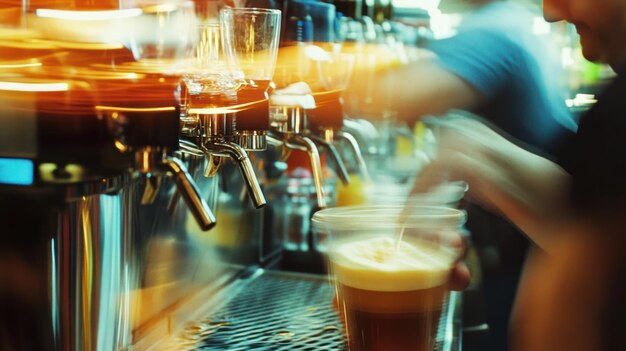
160 8
28 44
20 65
88 73
88 15
78 45
221 110
135 109
34 87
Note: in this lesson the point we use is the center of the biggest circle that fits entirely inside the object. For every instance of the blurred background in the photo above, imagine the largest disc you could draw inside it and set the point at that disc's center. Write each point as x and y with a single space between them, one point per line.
160 161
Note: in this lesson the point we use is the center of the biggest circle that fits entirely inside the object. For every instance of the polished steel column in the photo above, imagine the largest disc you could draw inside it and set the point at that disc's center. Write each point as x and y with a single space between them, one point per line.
94 273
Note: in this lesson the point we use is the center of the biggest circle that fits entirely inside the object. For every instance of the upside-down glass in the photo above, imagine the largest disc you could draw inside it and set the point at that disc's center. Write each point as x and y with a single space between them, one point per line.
335 71
391 292
211 64
253 37
163 33
211 76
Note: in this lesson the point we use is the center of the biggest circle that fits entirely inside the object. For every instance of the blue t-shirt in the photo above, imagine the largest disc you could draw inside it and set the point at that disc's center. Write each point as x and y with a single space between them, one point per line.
496 52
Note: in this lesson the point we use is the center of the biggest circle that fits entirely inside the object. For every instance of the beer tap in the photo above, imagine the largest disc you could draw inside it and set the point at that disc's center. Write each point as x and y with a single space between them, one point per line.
288 122
240 156
210 100
253 37
342 171
153 160
142 133
303 143
356 150
213 137
326 125
326 120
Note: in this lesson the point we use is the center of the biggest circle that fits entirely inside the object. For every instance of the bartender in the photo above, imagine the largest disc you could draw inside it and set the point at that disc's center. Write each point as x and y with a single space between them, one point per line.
572 296
496 67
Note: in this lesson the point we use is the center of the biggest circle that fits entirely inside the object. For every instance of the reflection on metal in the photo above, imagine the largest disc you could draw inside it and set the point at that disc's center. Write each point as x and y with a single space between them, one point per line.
342 172
152 162
303 143
240 156
288 119
151 188
190 148
113 269
190 193
251 140
284 150
54 286
85 206
148 160
354 145
213 135
328 134
213 165
93 274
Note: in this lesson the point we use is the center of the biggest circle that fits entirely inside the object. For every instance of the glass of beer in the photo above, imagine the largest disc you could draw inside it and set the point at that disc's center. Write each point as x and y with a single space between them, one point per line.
391 266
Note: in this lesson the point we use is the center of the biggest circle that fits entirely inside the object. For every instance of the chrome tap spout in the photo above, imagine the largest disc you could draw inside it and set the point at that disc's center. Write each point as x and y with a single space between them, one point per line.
240 156
342 171
190 193
303 143
153 163
354 145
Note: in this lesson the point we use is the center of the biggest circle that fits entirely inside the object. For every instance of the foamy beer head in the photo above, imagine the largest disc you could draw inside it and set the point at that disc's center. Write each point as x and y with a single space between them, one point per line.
390 289
381 264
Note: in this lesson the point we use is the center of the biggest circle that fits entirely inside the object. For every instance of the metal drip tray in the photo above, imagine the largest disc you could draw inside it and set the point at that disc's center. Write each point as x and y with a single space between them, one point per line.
277 311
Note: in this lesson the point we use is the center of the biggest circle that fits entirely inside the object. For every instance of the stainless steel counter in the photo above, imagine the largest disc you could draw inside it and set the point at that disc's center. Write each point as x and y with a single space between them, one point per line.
276 310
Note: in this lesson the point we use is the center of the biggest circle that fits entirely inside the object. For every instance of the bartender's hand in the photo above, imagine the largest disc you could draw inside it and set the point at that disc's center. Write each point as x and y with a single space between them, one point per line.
528 189
460 277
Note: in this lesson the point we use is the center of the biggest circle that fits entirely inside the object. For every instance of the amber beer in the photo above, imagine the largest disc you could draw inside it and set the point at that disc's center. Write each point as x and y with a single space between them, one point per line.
391 296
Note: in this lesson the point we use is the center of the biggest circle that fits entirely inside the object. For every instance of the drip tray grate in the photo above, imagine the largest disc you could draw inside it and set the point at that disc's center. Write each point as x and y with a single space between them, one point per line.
275 311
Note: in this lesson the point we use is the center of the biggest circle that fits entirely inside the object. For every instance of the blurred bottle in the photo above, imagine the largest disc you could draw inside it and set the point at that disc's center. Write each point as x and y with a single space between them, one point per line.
349 8
382 11
367 9
296 212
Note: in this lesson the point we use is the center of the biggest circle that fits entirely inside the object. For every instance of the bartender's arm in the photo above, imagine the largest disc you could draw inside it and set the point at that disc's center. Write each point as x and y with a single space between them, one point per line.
426 88
528 189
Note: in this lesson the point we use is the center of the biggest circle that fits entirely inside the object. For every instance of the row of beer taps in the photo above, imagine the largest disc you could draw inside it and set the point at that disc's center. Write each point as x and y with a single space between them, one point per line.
289 119
230 124
217 137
